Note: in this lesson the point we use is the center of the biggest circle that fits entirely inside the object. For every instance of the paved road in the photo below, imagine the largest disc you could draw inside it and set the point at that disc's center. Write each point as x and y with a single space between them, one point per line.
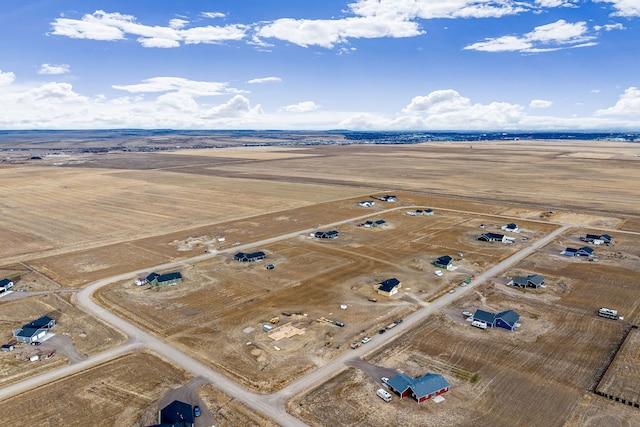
270 405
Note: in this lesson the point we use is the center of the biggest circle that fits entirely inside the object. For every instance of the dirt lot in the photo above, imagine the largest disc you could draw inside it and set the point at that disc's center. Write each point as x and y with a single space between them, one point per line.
559 352
78 334
122 392
623 376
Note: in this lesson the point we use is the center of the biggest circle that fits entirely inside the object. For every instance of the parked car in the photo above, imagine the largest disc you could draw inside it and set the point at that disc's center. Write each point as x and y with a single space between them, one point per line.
355 345
384 380
438 273
36 343
366 340
467 313
397 321
196 411
382 331
270 266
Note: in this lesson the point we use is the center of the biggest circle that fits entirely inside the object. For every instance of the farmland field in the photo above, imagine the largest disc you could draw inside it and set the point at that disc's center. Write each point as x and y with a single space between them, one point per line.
72 220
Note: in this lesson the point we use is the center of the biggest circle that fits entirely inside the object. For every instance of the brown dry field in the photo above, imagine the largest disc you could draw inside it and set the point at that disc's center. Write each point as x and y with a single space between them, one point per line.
543 369
623 376
222 297
122 392
228 412
87 334
95 216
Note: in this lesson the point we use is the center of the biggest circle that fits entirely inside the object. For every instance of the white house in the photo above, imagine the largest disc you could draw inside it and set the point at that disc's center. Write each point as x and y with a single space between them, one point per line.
5 285
512 228
367 203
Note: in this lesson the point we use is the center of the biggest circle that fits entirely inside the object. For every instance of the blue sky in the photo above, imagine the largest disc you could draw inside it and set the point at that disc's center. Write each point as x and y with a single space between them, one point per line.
294 64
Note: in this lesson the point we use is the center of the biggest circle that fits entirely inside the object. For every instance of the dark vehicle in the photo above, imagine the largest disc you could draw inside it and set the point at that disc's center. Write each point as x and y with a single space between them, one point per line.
339 324
36 343
7 347
397 321
196 411
382 331
270 266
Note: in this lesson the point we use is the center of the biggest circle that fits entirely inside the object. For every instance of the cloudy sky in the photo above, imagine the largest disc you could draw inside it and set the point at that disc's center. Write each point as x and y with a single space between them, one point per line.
330 64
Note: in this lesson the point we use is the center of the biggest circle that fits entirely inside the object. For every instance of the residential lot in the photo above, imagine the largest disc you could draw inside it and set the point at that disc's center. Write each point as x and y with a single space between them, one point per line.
556 357
221 307
77 335
122 392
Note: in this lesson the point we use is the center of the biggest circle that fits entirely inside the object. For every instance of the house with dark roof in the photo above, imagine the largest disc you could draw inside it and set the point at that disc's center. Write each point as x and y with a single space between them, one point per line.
531 281
388 198
495 237
443 262
585 251
388 287
421 389
505 319
176 414
379 223
5 285
597 239
251 257
34 331
570 252
606 239
333 234
367 224
511 227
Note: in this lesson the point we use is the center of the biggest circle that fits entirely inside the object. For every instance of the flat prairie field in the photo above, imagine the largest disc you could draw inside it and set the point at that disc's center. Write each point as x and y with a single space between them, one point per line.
122 392
72 220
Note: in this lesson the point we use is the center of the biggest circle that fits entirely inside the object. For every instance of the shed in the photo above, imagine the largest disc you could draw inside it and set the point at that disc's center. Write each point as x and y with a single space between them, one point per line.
168 279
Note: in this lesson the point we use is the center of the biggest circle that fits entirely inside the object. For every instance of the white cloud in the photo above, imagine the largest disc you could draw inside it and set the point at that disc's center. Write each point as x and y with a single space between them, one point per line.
53 69
55 92
327 32
540 103
265 80
301 107
115 26
628 104
626 8
238 106
179 84
430 9
556 3
595 90
554 36
6 77
213 15
609 27
178 23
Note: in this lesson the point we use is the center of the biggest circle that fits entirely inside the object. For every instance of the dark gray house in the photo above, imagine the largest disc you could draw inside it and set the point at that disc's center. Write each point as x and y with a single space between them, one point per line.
251 257
35 330
531 281
176 414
